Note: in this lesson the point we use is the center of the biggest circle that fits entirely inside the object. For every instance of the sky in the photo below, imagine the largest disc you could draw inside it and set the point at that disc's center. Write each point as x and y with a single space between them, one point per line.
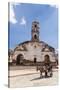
21 16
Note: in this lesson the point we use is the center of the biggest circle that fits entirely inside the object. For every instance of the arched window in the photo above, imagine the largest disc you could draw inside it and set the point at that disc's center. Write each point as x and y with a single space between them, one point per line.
35 36
35 25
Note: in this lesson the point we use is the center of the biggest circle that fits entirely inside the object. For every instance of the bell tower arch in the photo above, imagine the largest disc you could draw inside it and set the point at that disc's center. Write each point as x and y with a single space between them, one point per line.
35 31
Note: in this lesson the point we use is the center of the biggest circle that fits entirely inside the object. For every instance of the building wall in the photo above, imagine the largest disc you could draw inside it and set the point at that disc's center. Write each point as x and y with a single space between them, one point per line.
34 50
51 55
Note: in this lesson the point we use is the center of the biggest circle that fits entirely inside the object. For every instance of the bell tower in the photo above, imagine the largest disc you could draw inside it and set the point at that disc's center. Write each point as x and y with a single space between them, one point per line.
35 31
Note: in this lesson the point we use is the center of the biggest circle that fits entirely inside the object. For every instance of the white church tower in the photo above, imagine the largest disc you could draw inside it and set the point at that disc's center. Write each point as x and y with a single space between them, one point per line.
35 31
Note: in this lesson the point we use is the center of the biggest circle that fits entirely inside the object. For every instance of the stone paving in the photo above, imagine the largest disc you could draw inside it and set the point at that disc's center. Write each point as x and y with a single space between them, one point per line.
30 78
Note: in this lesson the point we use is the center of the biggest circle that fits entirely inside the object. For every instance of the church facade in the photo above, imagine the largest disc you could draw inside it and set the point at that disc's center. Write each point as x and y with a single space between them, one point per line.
33 51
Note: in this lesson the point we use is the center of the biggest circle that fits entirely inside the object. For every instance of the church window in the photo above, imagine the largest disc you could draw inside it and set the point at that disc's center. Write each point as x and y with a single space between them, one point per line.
35 36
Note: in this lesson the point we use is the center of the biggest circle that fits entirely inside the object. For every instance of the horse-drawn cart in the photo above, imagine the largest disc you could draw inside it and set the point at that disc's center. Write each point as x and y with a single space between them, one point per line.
46 70
46 67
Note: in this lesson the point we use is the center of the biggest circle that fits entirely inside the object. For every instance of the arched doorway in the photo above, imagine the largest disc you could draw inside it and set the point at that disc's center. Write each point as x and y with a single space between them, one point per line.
35 60
19 59
47 59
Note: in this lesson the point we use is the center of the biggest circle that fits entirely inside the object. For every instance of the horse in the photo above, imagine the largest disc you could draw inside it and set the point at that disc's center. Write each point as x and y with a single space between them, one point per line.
45 69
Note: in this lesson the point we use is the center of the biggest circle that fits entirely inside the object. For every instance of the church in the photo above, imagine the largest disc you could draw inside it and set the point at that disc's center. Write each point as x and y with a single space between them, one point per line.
33 51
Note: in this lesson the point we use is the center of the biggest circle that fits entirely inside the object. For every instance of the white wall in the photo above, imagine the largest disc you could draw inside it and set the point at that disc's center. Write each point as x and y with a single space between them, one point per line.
33 52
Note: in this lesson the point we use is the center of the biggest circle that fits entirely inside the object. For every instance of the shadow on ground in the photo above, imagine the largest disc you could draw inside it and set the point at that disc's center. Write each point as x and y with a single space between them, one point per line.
43 77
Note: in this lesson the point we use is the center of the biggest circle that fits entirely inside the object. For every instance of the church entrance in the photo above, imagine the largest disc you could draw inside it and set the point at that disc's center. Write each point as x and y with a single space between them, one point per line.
47 59
19 59
35 60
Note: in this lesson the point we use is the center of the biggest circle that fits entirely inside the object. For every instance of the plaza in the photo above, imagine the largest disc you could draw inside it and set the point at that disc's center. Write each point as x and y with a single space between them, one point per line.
27 76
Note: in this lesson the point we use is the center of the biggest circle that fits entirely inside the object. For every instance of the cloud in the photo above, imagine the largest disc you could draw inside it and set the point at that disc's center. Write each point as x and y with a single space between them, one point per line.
12 17
23 21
